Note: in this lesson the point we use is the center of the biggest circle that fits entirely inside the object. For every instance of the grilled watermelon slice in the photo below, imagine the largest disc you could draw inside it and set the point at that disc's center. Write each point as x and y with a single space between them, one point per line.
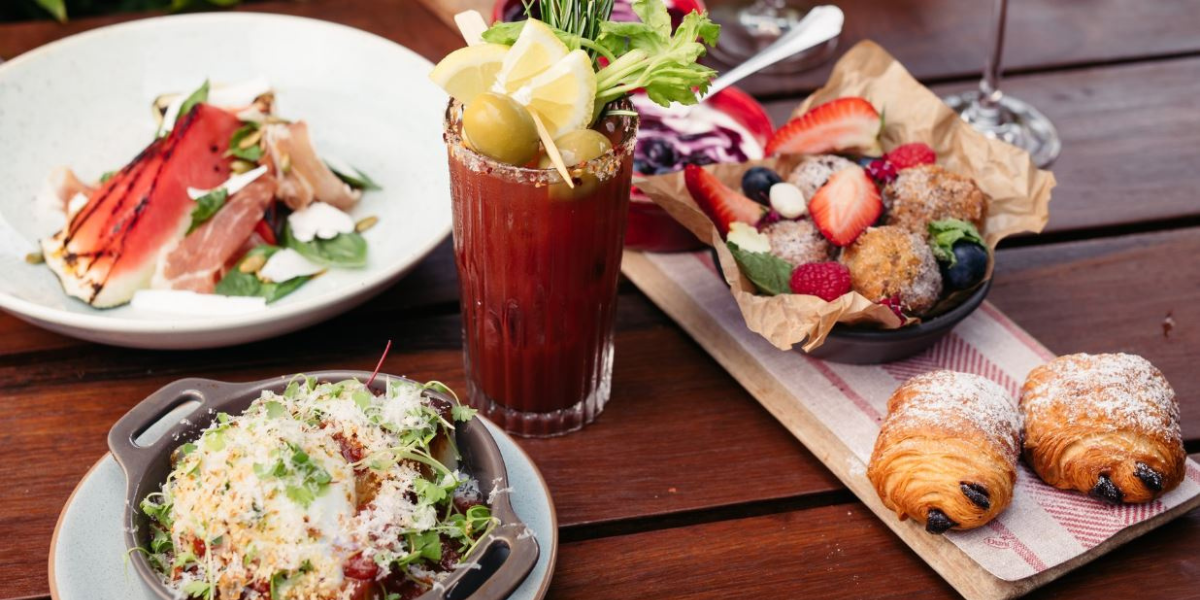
110 248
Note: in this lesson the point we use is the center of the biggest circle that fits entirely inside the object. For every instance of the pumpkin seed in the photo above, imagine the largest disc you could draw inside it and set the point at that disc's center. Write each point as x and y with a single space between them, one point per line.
253 264
251 139
35 258
285 163
240 166
366 224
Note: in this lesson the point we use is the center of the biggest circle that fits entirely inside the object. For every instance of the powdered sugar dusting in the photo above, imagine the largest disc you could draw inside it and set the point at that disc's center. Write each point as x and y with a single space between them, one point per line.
1109 392
943 398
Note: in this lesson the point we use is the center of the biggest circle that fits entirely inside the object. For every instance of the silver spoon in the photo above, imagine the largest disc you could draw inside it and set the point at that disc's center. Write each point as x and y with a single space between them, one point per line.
820 25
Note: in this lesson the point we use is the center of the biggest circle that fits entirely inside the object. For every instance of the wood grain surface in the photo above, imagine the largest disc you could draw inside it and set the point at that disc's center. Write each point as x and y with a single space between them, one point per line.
685 487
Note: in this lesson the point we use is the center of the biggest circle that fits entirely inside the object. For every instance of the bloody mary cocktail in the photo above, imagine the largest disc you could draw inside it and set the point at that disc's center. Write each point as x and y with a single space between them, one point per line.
538 264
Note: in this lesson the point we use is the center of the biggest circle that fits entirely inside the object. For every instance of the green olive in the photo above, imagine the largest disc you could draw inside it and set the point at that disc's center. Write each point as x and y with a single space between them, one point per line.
582 145
497 126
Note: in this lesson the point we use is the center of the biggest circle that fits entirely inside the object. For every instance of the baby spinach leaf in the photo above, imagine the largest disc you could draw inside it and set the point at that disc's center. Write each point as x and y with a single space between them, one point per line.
237 283
343 250
207 206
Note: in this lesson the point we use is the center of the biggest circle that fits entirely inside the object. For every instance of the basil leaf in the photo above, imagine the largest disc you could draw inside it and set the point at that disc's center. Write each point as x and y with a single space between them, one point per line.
237 283
251 153
207 206
769 273
947 232
358 181
343 250
197 97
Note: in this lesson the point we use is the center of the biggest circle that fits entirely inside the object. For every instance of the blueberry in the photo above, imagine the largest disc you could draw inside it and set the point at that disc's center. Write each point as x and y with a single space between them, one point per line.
757 182
970 266
865 161
660 152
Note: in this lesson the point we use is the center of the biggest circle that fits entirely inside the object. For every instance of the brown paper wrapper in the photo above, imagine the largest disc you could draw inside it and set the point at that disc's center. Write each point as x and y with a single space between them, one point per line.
1018 192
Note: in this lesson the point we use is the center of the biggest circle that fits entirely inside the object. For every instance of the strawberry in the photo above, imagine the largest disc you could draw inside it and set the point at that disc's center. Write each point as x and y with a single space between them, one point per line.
911 155
836 126
723 205
845 206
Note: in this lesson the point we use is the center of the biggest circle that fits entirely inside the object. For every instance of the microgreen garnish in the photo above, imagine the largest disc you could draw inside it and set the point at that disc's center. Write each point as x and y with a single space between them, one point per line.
207 206
379 365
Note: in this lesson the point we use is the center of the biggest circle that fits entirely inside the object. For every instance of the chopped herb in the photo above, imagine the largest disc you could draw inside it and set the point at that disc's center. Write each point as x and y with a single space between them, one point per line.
207 206
104 177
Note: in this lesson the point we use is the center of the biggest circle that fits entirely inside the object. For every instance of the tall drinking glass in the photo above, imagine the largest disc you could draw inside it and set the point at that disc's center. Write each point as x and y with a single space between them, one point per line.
538 264
1003 117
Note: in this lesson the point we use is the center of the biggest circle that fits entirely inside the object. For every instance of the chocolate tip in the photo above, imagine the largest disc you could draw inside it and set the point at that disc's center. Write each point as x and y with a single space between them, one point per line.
1107 491
977 494
936 521
1153 480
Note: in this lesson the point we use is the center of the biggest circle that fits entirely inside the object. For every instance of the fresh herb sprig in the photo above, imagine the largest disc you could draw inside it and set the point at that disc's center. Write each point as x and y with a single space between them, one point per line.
650 57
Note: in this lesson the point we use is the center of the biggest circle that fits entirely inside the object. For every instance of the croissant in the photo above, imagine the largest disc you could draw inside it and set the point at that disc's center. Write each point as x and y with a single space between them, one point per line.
1104 424
947 452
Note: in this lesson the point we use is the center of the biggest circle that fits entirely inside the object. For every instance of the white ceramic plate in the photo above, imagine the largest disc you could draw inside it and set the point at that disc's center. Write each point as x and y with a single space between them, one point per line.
84 102
87 552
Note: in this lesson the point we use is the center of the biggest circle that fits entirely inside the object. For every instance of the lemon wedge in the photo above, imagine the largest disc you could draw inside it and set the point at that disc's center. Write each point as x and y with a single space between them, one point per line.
468 72
563 95
535 50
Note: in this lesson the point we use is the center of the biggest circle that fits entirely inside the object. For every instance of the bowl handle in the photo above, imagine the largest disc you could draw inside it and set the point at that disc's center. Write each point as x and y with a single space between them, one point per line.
121 438
505 577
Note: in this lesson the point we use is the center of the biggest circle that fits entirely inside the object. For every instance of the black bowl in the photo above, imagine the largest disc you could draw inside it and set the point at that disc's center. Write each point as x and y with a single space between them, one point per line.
867 346
507 555
864 346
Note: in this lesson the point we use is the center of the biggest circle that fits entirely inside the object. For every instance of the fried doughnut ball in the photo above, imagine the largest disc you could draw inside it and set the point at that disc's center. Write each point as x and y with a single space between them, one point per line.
921 195
892 261
814 171
798 242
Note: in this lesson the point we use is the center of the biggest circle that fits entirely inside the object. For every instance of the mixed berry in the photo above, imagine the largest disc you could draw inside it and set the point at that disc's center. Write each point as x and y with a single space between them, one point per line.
846 216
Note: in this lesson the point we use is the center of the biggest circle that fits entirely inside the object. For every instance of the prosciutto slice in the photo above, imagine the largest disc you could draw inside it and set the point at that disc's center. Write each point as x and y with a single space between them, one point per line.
198 261
303 177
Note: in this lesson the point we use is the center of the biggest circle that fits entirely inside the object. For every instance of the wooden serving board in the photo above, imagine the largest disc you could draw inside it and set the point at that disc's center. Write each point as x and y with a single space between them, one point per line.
729 347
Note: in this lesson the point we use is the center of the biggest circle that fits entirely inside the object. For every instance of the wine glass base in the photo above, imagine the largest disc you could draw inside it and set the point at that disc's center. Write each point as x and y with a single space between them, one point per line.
745 33
1010 120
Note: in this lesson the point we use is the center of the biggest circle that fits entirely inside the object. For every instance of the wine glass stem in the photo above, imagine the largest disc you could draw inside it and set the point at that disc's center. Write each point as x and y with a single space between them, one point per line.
989 86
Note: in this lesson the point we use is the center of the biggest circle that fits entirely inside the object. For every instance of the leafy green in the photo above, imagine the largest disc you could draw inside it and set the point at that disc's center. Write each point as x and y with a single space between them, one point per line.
358 181
159 511
105 176
769 273
947 232
197 589
649 56
252 153
57 8
343 250
462 413
196 97
237 283
207 206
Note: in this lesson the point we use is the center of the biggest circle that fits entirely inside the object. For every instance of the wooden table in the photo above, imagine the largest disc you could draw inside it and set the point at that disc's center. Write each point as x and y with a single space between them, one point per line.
685 487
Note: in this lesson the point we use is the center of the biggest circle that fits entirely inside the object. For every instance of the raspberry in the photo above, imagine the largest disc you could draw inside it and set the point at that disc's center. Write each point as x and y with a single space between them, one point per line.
882 171
825 280
911 155
770 218
895 304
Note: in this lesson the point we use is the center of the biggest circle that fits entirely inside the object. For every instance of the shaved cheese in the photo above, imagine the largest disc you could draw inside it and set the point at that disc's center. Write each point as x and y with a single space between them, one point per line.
319 220
233 185
287 264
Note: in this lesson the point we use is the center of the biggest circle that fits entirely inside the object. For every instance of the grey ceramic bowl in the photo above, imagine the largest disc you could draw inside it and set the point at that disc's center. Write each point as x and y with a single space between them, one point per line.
506 557
864 346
